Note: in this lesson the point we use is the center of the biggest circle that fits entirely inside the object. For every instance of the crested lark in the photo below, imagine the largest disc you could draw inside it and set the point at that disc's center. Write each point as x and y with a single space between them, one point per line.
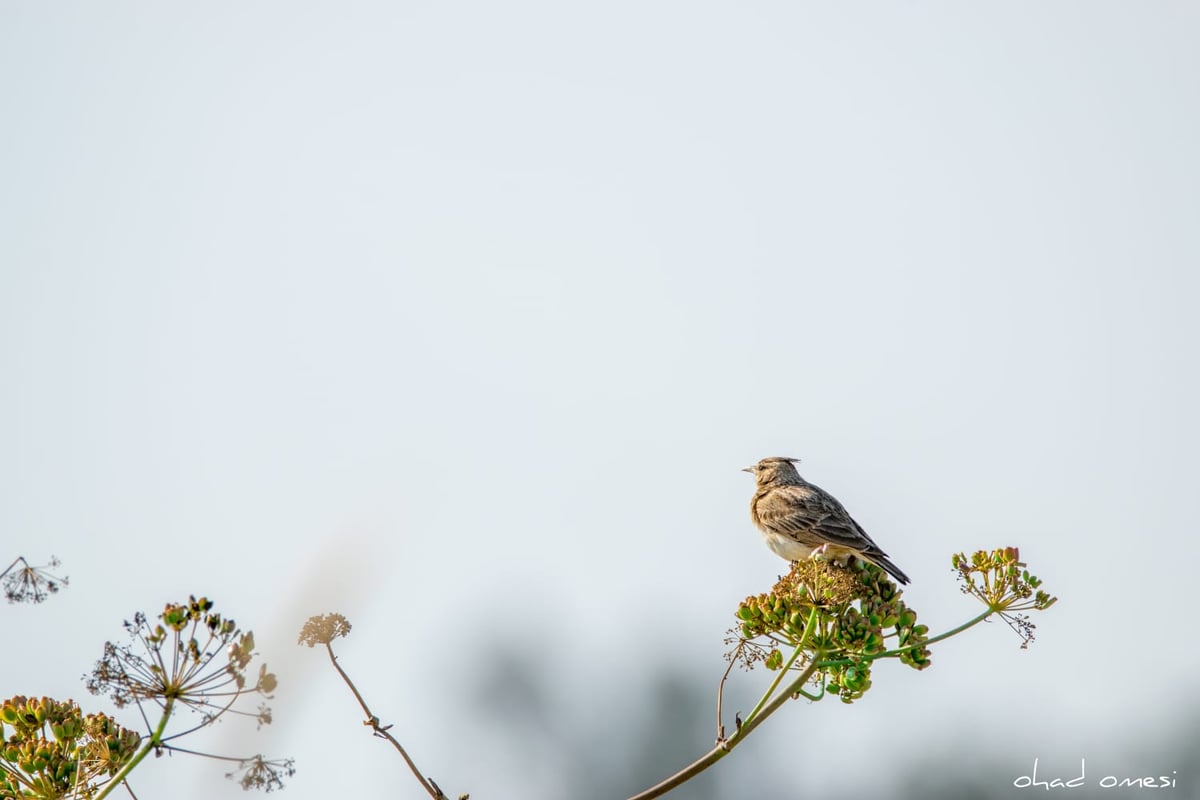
798 519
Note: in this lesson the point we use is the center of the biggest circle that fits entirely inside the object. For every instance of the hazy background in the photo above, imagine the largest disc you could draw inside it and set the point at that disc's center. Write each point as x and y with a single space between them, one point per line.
460 319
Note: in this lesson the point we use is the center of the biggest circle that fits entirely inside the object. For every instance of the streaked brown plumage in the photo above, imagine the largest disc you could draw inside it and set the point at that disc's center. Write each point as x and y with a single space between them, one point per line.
797 518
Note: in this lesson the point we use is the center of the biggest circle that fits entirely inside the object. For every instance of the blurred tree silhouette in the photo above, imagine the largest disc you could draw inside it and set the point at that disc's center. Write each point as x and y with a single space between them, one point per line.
665 716
625 745
960 774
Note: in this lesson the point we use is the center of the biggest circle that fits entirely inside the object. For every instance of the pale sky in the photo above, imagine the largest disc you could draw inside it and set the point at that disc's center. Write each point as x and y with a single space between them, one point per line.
461 318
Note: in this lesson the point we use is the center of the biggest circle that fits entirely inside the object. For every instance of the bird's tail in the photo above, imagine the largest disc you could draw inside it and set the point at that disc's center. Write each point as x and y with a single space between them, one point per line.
884 563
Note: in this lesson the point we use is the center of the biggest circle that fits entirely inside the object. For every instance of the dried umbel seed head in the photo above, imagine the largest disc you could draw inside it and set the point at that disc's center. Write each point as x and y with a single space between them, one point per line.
208 656
23 582
323 629
825 584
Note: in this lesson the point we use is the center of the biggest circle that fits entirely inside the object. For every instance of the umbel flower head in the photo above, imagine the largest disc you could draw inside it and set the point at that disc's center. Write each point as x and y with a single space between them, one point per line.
50 749
260 773
25 583
192 657
842 617
323 629
999 580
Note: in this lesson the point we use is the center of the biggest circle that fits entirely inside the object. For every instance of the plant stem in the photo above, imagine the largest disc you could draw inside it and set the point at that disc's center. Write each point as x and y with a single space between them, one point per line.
808 626
153 741
761 712
720 699
382 731
723 749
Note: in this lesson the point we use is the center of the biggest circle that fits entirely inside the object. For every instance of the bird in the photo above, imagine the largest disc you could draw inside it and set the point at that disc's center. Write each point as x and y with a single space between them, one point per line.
799 520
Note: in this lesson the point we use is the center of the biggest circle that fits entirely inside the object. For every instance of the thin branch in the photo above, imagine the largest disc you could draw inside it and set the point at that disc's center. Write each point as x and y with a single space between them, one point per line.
176 749
782 671
723 749
743 729
720 698
382 731
208 720
142 711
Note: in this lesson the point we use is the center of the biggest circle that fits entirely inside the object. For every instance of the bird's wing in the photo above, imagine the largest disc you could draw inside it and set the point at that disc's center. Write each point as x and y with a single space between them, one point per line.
809 510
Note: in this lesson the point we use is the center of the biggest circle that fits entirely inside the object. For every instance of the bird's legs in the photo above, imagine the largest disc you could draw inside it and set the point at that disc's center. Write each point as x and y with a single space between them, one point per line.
837 557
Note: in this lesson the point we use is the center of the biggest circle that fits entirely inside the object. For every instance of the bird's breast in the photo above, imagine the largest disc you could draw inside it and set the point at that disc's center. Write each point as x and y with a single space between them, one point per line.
786 547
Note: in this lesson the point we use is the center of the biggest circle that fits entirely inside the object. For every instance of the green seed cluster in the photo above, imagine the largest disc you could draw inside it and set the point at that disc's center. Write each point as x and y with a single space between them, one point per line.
859 616
50 749
848 681
772 613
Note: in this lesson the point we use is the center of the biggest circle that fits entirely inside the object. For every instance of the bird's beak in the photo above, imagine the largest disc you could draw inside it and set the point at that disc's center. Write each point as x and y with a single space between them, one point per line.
749 469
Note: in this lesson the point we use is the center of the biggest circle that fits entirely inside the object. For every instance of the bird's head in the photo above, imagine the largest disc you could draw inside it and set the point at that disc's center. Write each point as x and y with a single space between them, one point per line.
775 469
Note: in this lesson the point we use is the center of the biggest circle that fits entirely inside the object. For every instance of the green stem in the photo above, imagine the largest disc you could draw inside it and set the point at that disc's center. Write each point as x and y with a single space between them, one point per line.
154 741
724 748
808 626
